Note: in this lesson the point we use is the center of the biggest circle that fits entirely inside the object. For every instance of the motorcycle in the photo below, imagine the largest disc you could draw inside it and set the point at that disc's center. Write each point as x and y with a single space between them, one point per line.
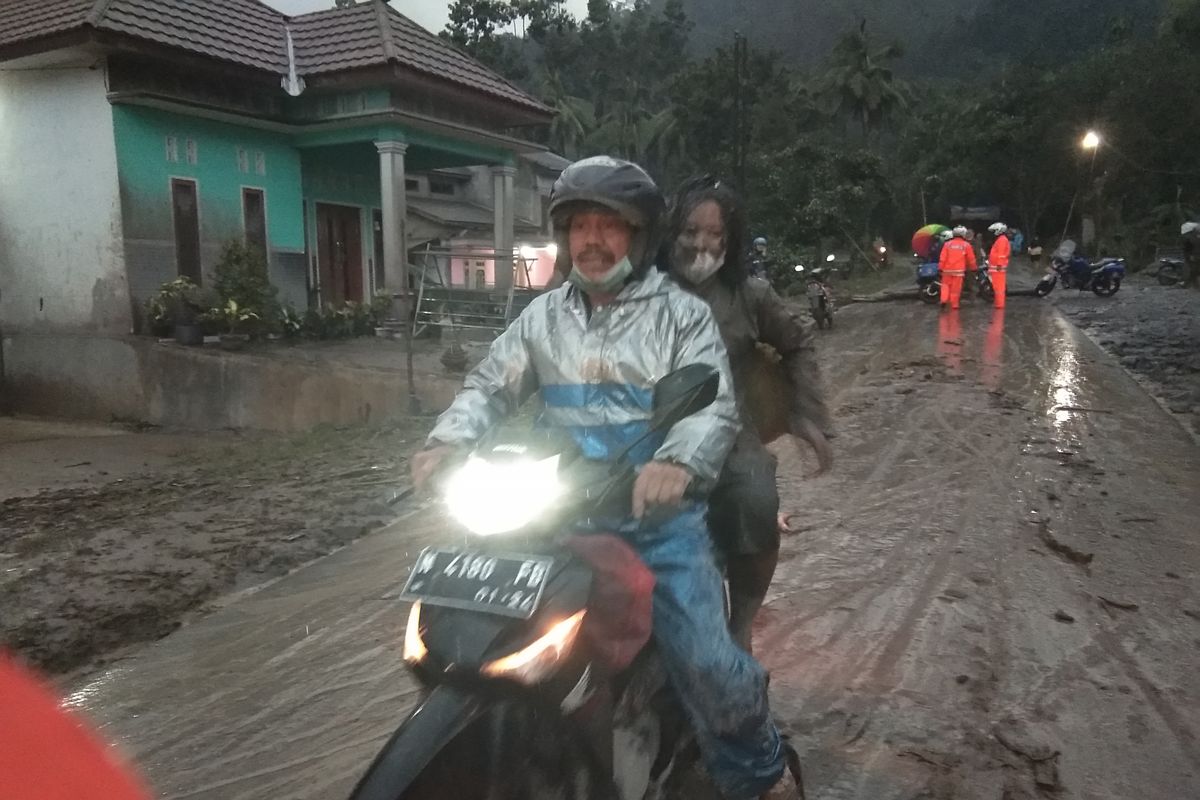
983 282
533 643
820 300
1170 271
929 282
1102 277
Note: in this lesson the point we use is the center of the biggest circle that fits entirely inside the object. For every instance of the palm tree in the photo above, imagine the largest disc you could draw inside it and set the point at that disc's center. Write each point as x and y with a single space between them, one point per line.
574 118
860 84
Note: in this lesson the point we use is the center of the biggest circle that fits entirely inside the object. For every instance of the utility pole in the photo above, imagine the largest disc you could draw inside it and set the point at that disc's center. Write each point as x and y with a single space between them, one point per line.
741 124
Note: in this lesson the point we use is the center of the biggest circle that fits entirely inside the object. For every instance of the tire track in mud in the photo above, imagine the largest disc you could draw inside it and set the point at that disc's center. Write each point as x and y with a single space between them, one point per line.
874 662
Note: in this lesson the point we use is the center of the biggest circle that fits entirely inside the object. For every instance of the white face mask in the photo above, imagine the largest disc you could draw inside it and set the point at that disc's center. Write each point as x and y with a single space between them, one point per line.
703 267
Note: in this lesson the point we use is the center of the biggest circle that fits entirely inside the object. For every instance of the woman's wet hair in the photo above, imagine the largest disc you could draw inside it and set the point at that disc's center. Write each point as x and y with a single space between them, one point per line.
691 194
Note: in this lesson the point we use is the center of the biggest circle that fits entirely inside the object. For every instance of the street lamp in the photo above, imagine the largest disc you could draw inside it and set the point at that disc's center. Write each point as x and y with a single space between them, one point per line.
1091 141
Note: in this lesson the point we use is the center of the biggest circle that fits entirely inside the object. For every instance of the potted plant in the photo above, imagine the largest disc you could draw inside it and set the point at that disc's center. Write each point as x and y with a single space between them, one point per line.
177 307
290 323
235 318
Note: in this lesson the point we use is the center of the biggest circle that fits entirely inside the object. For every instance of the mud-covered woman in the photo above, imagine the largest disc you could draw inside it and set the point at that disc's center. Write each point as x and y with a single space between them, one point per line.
704 251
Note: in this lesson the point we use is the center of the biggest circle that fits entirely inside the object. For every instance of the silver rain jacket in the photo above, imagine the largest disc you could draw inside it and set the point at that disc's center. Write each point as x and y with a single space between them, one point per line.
596 375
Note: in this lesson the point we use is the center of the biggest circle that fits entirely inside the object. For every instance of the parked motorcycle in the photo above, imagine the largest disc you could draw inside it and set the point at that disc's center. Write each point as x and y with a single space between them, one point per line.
1170 271
531 642
1103 277
929 282
983 282
820 299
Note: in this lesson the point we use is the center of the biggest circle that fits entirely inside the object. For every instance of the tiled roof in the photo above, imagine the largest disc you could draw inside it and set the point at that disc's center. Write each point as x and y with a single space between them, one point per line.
460 213
251 34
375 33
241 31
22 20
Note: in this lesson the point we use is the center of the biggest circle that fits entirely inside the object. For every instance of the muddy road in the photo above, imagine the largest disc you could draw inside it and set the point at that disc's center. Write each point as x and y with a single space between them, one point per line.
994 595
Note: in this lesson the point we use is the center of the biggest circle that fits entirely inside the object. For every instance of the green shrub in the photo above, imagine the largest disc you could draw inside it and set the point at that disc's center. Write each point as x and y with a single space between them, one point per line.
241 275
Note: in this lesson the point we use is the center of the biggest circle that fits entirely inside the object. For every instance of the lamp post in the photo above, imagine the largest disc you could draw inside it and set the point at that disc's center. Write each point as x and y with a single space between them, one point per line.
1091 141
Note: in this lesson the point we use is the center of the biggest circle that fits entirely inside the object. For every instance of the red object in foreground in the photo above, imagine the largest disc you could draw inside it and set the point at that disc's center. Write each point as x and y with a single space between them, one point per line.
46 752
620 609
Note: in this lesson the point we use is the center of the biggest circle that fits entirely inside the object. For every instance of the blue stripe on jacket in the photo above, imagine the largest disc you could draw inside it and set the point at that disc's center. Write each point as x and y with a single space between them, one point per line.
598 396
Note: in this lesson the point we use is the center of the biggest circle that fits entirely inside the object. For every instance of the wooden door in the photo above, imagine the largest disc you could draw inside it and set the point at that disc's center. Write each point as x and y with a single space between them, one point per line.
185 208
339 254
254 219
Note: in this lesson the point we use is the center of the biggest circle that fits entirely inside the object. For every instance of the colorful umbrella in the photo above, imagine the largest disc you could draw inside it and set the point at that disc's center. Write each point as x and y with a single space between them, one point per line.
922 240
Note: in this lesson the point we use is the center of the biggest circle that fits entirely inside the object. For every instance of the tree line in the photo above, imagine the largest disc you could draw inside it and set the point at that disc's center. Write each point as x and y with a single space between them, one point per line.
849 150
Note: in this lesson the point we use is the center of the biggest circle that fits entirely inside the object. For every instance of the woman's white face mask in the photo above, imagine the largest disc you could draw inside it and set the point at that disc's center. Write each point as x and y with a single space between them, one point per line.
700 248
702 267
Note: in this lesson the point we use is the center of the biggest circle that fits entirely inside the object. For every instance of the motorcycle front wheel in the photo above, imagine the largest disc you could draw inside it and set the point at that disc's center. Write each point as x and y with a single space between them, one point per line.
1106 286
931 293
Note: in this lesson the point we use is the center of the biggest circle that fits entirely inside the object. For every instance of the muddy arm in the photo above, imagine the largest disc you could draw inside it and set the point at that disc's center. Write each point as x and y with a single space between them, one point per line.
779 327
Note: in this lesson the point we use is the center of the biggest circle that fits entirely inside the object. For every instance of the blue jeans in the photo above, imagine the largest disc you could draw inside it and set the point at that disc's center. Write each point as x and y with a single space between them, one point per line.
722 688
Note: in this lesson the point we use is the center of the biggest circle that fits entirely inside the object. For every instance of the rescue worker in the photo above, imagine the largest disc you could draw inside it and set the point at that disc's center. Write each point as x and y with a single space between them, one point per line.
704 237
998 260
593 350
957 257
935 250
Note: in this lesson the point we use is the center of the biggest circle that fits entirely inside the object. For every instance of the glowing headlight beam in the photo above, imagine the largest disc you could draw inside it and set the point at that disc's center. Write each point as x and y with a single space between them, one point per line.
535 662
491 498
414 647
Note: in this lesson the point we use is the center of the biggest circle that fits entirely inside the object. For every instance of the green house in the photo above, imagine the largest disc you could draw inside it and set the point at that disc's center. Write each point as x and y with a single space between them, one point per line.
137 136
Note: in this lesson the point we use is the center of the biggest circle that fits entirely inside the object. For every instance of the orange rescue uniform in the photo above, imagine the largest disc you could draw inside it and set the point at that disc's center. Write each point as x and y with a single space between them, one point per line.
957 257
998 258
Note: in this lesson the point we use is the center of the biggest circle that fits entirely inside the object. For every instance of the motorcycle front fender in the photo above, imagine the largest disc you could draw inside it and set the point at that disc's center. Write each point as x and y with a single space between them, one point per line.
435 723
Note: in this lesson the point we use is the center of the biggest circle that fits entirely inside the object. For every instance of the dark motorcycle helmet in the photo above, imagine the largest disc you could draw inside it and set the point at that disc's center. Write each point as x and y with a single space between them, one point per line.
620 186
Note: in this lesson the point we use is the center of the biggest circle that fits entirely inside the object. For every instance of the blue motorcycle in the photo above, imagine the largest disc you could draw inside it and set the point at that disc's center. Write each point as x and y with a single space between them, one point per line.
929 282
1075 271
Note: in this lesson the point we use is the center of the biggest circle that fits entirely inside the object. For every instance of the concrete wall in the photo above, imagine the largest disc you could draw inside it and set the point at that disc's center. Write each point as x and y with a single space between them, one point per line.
62 264
137 379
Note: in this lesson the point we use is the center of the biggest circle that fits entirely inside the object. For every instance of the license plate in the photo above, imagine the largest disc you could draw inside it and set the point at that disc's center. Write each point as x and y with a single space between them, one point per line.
496 583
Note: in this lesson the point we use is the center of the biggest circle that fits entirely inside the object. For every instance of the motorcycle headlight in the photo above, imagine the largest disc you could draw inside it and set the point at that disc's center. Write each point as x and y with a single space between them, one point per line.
414 647
536 662
490 497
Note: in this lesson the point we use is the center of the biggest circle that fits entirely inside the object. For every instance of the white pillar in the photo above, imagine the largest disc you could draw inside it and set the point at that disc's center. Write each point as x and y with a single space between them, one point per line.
394 205
504 202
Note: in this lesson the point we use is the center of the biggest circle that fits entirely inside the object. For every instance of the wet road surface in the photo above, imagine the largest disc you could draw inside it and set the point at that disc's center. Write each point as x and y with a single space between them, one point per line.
994 595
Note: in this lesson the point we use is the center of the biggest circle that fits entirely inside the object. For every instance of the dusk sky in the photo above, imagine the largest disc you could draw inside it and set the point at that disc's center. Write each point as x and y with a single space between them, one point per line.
430 13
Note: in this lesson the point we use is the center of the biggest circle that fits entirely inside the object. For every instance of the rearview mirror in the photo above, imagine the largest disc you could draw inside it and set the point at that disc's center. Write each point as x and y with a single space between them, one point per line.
681 393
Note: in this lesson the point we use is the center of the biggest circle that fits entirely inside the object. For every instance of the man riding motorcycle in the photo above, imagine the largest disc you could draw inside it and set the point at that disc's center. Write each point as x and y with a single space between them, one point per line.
593 350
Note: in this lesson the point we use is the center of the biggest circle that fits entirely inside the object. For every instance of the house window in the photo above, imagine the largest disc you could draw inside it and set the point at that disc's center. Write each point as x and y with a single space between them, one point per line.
172 149
260 162
441 187
193 152
243 160
254 219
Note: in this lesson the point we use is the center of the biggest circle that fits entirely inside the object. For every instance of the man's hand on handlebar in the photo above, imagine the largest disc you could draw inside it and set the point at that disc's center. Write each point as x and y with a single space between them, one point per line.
659 484
427 462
